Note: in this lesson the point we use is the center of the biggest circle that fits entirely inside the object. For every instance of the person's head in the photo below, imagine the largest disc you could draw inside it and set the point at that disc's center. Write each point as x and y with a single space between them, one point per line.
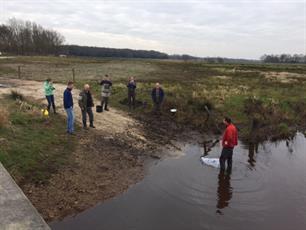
227 121
48 80
106 76
131 78
70 85
157 85
86 87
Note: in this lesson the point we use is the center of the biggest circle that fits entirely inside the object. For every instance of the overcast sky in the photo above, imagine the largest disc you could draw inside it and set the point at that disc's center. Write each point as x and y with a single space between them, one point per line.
240 28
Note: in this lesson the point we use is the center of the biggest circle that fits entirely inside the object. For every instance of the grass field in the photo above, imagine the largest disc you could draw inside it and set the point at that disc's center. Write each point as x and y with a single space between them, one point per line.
265 97
32 147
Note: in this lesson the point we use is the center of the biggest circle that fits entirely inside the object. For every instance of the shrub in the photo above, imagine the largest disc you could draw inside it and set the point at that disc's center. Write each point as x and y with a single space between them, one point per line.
15 95
283 128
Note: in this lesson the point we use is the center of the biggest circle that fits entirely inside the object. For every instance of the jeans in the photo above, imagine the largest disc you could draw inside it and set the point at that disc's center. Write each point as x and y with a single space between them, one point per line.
70 120
226 155
50 100
131 99
84 116
157 106
104 102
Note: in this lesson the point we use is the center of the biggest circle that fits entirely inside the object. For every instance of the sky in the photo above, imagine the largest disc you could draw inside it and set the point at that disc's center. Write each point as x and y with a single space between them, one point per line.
232 28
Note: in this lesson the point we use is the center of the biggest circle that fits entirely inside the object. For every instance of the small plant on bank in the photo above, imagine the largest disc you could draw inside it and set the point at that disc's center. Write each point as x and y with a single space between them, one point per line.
15 95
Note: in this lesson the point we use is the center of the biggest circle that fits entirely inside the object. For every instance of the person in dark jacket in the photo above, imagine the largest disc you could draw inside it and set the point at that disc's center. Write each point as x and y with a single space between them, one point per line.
229 141
86 104
106 88
131 92
157 97
68 105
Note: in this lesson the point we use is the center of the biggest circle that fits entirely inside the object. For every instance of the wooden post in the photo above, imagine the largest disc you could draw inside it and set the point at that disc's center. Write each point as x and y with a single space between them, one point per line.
19 71
73 75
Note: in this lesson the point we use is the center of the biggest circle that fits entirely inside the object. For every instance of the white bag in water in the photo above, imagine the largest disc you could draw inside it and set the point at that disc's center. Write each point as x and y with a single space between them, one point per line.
214 162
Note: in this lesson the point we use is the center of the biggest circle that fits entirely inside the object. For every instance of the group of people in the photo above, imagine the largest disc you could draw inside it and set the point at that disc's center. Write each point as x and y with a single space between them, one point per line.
86 103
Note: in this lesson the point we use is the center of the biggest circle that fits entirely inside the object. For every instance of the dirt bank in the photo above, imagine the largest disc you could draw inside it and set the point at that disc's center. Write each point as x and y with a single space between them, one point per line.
105 163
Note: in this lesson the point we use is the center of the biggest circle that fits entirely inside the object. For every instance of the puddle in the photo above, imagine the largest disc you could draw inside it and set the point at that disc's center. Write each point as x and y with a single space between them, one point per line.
266 190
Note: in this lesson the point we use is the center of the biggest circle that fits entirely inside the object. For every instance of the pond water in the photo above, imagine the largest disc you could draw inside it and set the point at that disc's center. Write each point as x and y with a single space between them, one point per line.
266 190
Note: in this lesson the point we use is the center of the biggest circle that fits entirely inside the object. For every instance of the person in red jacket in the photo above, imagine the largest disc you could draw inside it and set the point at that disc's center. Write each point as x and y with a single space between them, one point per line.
229 141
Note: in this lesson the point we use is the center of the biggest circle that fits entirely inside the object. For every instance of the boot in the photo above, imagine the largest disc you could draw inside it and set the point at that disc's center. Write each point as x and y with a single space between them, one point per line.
91 125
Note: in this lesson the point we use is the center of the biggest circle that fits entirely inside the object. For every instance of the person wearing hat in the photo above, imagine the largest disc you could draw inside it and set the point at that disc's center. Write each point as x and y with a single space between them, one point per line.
48 88
86 104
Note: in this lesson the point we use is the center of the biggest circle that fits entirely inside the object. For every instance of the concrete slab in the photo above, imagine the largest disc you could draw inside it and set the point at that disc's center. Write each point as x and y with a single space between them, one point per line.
16 211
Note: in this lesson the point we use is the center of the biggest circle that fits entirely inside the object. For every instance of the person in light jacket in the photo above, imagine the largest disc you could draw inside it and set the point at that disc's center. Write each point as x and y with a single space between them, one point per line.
48 88
106 88
86 104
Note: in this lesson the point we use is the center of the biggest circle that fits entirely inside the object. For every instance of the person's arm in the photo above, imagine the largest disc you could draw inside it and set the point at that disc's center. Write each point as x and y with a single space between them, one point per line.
162 94
65 99
228 137
80 101
153 95
71 100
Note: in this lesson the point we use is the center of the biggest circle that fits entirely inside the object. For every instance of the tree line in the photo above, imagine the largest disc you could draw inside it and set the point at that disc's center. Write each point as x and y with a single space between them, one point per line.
88 51
283 58
27 38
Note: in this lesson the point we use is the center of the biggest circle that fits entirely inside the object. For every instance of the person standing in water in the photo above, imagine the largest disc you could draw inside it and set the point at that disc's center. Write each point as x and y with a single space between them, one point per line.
48 87
131 92
68 106
86 104
229 141
106 88
157 97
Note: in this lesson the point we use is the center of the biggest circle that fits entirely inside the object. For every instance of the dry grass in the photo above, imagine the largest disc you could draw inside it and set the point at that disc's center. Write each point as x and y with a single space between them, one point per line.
4 117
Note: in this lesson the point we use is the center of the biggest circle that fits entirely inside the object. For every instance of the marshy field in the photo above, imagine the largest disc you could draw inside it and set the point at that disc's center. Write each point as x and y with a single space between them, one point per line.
264 100
64 176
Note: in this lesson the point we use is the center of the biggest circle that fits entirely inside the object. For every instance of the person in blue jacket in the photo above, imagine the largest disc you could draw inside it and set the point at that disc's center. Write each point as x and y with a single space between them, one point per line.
68 105
157 97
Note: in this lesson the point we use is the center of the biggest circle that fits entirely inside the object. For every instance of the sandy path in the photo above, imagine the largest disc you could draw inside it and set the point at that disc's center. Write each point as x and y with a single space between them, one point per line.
112 123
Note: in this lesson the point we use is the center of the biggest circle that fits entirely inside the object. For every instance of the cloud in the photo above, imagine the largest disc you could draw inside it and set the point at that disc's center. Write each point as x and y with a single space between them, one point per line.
204 28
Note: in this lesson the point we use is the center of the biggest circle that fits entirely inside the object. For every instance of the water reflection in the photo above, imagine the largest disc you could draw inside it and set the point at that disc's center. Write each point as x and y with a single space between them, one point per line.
224 191
253 148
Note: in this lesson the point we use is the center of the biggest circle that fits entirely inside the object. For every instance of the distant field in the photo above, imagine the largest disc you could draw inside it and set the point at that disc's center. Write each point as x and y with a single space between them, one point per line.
268 94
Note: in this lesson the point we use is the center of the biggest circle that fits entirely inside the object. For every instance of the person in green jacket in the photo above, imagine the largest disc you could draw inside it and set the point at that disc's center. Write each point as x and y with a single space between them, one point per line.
48 87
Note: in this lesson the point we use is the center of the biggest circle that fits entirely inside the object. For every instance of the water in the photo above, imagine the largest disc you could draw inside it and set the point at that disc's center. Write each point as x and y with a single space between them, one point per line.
266 190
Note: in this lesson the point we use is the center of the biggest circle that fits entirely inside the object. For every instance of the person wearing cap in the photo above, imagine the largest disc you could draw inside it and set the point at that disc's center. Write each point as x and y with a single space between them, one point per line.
48 88
86 104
